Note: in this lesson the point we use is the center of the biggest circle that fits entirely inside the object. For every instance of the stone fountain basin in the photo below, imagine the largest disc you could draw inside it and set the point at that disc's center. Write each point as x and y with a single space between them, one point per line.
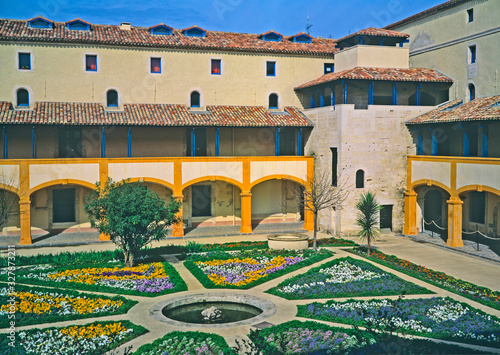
268 308
288 241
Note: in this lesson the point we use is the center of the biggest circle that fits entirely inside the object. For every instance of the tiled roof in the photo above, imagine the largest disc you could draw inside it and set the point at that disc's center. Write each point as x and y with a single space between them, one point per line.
482 109
57 113
428 12
18 30
373 31
383 74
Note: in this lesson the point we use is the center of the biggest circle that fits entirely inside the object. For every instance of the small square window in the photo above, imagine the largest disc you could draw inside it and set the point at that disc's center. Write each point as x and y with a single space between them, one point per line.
91 63
472 54
24 61
271 69
216 67
329 68
470 15
156 65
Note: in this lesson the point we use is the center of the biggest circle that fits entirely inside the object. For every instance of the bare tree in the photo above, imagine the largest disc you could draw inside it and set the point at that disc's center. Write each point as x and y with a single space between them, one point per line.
319 194
8 200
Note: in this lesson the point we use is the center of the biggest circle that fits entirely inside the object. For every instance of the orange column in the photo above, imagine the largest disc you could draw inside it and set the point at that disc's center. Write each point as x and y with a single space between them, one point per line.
308 214
103 178
246 212
454 222
410 227
25 204
178 230
25 214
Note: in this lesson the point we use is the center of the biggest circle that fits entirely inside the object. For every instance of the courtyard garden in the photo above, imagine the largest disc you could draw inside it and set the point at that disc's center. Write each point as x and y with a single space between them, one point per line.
82 303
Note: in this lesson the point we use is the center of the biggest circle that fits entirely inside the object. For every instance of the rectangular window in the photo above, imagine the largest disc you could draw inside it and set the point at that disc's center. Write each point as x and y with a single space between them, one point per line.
70 142
287 142
216 67
196 142
271 68
24 61
91 63
334 166
329 67
470 15
156 65
472 54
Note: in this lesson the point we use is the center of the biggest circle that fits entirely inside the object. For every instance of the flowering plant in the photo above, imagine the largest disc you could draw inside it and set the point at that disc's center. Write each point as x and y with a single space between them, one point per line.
345 277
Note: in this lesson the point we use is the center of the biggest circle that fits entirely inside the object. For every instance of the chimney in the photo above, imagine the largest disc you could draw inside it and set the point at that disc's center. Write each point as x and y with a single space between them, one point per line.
126 26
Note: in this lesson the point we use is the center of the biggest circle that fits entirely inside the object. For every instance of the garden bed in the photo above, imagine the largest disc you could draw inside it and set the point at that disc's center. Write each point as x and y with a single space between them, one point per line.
441 318
37 305
466 289
245 270
303 338
142 280
187 343
345 277
90 339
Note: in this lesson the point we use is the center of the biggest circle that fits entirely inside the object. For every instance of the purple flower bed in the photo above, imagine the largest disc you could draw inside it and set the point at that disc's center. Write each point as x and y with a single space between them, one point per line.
345 277
442 318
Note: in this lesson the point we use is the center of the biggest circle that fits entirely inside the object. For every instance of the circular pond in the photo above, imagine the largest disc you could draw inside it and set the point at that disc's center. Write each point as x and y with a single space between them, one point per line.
209 310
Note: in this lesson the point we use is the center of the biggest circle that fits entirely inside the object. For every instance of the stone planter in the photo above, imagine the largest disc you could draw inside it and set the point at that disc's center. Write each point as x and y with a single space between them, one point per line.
288 241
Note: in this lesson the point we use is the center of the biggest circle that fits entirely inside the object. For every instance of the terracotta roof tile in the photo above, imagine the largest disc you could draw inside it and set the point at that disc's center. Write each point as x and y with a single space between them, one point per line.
18 30
58 113
383 74
373 31
428 12
481 109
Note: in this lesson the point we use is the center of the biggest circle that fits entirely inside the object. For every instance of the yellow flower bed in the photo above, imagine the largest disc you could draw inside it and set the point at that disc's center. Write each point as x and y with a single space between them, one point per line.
28 302
93 330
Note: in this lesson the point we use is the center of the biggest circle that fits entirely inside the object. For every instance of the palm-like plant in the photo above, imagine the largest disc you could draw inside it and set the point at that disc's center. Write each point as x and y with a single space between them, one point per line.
367 218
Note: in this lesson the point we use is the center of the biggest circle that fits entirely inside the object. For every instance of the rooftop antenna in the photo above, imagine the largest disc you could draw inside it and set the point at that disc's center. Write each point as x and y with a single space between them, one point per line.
308 26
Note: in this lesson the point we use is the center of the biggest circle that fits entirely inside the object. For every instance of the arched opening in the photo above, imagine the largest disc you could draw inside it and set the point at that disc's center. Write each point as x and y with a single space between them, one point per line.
9 214
212 203
472 92
277 201
112 98
360 179
195 99
23 97
273 101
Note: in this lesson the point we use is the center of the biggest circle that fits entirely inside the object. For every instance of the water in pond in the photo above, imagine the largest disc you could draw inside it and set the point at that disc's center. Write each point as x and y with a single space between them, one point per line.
231 312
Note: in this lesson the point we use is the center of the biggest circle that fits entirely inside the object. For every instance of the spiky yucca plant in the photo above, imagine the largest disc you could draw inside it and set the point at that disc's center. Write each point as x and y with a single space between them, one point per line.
367 218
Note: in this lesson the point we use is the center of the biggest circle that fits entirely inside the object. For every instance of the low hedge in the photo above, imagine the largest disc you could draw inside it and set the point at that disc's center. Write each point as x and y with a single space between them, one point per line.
22 319
175 278
465 289
207 283
154 347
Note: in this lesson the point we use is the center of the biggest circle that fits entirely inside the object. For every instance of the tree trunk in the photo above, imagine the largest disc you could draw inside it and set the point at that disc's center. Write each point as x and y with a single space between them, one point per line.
315 245
368 239
129 258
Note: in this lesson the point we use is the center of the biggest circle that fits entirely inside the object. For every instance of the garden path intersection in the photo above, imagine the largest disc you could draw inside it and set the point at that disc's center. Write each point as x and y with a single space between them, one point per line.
464 267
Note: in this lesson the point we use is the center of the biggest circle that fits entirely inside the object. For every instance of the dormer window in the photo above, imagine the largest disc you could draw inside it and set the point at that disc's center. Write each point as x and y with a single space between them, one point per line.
78 25
302 38
161 30
272 36
40 22
195 31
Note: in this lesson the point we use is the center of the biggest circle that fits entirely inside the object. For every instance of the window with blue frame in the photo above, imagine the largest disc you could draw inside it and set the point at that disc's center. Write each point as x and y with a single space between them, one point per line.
24 61
273 101
272 36
472 54
156 65
39 23
90 62
161 30
472 92
112 98
23 97
329 67
78 25
303 38
195 99
195 32
271 68
216 67
470 15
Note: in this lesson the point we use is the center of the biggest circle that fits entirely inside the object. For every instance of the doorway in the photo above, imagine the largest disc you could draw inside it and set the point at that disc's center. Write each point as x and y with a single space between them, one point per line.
63 205
201 200
386 217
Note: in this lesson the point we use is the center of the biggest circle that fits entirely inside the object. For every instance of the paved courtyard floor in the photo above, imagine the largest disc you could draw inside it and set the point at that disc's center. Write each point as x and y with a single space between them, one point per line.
483 272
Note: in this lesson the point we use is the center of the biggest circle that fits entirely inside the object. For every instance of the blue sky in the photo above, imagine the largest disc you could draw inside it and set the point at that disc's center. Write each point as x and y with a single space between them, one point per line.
329 17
